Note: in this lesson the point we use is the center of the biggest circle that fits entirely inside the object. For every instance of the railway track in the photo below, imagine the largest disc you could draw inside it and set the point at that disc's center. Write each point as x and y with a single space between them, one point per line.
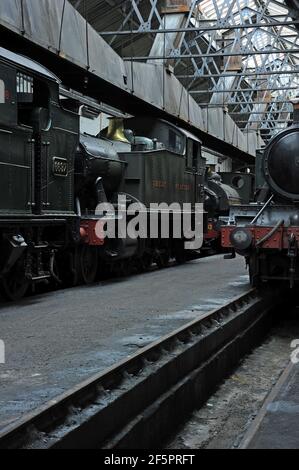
52 287
140 401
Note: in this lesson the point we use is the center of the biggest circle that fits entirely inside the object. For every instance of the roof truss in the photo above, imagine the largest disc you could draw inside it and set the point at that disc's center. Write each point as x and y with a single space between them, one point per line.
239 54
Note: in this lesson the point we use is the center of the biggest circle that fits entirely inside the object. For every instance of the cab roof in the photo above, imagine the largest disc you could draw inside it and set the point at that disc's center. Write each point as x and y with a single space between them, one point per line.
27 63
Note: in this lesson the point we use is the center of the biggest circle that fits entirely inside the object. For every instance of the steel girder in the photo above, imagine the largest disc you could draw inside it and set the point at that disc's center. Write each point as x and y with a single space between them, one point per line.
239 54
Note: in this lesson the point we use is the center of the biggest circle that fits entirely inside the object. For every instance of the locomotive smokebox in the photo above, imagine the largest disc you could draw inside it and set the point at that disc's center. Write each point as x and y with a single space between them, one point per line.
294 220
281 160
296 111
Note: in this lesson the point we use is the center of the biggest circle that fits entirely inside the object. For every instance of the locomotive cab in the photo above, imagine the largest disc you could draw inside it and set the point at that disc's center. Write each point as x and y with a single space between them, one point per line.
43 175
38 139
170 170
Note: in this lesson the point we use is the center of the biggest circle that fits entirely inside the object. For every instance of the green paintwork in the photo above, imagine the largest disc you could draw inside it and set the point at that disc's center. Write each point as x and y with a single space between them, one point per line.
17 157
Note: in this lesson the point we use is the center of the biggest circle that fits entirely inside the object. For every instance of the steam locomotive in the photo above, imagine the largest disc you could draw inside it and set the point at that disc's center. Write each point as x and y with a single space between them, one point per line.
266 232
53 179
222 191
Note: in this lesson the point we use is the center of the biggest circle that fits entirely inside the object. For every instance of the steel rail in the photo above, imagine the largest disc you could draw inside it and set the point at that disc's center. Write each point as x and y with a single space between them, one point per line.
124 406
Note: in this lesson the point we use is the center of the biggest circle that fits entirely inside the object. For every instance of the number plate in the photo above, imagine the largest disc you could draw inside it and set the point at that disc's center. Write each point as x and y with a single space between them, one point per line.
60 167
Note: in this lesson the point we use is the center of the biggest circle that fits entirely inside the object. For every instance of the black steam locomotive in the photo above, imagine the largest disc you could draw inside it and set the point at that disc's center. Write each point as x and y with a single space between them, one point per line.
266 233
53 179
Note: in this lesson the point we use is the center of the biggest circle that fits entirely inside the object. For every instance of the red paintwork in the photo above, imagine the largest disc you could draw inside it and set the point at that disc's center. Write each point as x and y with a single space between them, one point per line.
212 232
91 232
278 241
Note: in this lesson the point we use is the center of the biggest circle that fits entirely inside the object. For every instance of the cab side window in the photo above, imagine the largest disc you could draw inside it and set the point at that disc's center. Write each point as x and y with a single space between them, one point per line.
189 162
8 108
24 98
24 88
2 92
176 143
193 154
31 93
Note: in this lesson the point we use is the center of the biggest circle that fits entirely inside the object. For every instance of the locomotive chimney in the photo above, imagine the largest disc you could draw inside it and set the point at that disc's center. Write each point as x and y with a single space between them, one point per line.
295 103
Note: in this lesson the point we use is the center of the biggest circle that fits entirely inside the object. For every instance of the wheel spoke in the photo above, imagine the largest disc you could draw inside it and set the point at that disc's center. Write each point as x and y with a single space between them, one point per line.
89 264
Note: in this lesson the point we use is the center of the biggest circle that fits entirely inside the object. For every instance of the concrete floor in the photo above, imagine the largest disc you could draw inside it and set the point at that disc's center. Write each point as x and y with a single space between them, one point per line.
56 340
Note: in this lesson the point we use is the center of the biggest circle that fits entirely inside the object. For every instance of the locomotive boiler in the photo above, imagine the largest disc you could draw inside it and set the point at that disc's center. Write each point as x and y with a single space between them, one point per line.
266 233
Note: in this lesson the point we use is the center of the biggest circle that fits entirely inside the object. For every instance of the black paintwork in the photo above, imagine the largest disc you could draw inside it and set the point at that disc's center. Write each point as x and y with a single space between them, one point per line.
281 163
